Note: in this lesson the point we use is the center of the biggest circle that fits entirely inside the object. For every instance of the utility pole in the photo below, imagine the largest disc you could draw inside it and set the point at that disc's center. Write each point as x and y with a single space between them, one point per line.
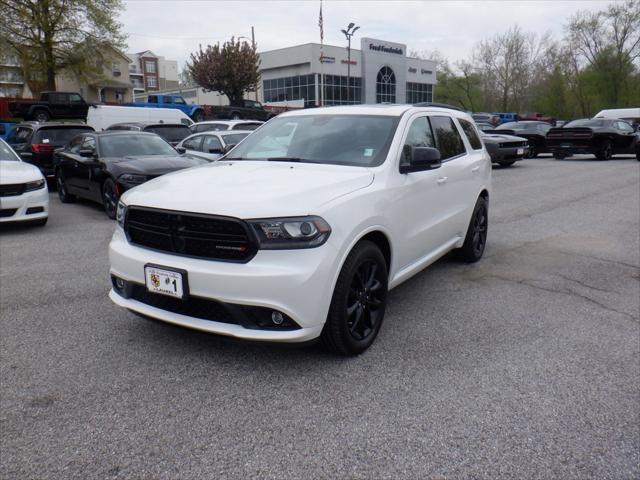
349 33
253 44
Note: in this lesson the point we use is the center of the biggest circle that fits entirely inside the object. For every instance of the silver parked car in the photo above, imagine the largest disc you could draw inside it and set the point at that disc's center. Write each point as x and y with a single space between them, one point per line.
213 144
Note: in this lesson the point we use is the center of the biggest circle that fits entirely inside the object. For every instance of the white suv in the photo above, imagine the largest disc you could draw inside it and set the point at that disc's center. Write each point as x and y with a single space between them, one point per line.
300 231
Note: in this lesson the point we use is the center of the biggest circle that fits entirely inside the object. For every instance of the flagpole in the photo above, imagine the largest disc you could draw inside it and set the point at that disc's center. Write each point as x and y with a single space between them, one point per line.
321 25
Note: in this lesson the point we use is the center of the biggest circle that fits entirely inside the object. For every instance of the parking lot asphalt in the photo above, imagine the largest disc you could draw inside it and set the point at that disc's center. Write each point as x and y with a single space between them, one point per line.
524 365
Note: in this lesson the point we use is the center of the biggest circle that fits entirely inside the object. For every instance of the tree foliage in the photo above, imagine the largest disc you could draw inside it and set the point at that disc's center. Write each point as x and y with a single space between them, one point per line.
48 36
232 68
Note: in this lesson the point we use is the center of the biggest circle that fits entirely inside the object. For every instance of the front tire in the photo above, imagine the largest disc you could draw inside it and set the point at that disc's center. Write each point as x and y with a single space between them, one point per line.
476 238
61 186
358 303
605 152
110 198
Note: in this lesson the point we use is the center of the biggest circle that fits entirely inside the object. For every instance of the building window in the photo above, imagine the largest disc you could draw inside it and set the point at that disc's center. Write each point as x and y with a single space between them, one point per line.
150 66
419 92
335 90
301 87
386 86
152 82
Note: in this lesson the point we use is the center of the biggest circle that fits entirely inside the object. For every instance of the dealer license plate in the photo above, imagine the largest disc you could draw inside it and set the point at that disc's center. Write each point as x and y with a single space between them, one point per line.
165 282
520 151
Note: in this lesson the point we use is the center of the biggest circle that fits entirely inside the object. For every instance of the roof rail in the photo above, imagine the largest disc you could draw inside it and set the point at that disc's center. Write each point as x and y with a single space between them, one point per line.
434 104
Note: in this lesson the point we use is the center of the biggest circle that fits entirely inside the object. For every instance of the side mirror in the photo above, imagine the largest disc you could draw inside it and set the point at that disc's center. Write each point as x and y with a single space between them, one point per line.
216 150
87 153
181 150
421 158
228 147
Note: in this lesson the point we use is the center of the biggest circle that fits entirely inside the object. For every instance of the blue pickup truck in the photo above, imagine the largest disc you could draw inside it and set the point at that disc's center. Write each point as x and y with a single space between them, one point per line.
196 112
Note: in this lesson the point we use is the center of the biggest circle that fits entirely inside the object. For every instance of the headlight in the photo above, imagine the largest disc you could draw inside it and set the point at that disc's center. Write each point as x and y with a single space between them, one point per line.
293 232
132 178
121 214
31 186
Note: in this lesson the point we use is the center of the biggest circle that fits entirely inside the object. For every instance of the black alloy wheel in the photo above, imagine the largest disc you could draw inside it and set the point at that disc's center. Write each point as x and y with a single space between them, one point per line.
41 116
61 186
605 152
359 301
533 152
110 198
475 240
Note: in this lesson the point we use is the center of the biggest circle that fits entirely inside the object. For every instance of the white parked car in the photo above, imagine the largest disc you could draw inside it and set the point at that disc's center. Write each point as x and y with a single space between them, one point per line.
302 229
218 125
24 196
101 117
212 145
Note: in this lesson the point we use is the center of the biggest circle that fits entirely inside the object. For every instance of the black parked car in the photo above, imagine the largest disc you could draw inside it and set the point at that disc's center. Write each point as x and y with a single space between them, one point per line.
535 132
36 142
601 137
101 166
505 150
173 133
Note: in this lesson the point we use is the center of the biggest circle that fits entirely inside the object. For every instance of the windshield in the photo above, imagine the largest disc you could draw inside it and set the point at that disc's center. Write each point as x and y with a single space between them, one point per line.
134 145
58 136
233 138
585 122
360 140
6 154
170 133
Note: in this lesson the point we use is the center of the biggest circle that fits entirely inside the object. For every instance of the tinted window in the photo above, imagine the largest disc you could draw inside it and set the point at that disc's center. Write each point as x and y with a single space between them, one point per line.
75 98
447 137
211 142
58 136
360 140
471 134
179 101
420 135
166 100
544 127
6 154
211 127
585 122
19 135
233 138
132 145
171 133
152 99
193 143
246 126
624 126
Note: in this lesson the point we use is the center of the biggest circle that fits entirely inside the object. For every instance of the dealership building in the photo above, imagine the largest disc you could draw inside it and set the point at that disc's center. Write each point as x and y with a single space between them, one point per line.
380 72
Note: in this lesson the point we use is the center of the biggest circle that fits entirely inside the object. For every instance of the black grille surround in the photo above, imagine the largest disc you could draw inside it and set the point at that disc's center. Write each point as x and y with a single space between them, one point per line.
190 234
513 144
12 190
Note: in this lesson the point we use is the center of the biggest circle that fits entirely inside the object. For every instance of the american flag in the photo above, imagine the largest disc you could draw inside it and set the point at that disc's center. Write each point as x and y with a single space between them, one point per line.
320 24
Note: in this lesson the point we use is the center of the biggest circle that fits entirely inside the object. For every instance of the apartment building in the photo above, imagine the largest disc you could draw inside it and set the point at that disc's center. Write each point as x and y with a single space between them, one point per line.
11 79
150 72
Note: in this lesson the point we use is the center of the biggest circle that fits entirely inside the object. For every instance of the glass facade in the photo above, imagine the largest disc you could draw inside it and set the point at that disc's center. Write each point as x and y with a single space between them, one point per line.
291 88
419 92
335 90
386 86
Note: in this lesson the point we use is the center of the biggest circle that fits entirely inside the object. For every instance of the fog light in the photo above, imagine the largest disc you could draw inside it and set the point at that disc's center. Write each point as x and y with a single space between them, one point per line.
277 318
119 284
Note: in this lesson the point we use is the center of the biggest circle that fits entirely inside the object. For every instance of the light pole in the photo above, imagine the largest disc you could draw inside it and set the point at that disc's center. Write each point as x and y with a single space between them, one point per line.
349 33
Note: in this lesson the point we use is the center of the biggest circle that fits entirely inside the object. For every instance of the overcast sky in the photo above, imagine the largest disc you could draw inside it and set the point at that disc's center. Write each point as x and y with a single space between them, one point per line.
175 28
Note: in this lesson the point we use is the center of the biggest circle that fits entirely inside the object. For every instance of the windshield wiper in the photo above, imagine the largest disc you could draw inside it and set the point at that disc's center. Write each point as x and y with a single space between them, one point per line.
288 159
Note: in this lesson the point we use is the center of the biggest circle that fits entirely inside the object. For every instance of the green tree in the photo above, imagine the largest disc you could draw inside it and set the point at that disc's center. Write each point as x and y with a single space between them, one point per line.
232 69
53 35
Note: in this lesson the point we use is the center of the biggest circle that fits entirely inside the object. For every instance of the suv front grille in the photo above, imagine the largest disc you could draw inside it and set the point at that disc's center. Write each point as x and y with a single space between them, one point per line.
191 234
12 190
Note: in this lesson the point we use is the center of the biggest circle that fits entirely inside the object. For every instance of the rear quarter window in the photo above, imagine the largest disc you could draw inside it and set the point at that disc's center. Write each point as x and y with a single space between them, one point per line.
470 131
447 137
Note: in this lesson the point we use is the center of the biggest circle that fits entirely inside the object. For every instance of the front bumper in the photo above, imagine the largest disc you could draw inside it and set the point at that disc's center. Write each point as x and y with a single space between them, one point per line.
509 154
15 208
297 283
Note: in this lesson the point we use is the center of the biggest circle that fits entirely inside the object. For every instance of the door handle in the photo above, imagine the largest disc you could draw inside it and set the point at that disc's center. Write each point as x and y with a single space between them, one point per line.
475 169
442 180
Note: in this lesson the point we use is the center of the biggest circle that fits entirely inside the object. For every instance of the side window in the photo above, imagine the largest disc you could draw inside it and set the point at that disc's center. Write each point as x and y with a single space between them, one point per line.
625 127
19 135
471 134
167 100
211 142
447 137
544 128
179 101
152 99
193 143
89 143
74 144
75 98
420 135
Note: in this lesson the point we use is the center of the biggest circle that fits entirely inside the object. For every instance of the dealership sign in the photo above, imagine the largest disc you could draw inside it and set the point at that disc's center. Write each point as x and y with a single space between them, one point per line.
325 59
385 49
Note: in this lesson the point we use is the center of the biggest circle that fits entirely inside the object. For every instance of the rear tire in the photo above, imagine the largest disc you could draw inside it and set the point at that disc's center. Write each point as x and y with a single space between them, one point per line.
476 238
110 198
358 302
605 151
61 186
198 116
41 116
533 151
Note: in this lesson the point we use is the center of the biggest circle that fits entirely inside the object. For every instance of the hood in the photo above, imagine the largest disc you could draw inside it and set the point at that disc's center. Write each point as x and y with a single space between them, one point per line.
152 164
18 172
494 138
251 189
